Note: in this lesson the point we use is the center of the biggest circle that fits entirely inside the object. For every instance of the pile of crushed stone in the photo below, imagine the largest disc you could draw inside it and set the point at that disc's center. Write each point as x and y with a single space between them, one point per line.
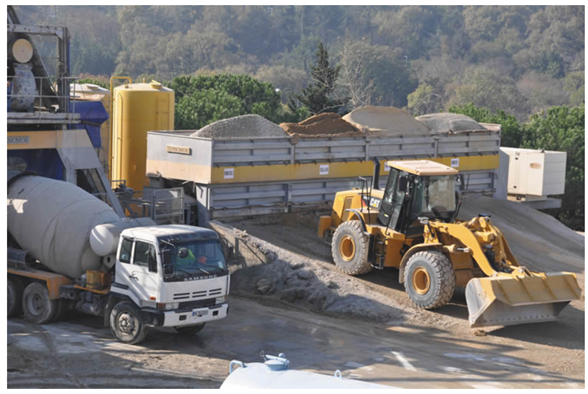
450 123
266 270
321 125
386 121
244 126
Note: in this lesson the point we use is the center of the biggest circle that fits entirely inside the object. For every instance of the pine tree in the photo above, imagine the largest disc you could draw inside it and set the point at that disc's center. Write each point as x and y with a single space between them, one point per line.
318 96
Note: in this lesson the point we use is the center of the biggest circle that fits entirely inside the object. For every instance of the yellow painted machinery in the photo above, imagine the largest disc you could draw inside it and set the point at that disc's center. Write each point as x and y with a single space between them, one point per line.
411 225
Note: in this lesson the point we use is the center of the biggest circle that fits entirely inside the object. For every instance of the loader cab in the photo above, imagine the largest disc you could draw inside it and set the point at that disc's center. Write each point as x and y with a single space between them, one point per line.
417 189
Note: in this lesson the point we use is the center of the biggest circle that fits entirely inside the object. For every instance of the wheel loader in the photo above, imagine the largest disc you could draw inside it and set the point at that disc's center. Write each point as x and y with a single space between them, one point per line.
412 225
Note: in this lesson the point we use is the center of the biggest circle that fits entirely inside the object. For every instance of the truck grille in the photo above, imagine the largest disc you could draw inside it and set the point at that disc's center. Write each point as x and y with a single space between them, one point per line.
198 294
197 303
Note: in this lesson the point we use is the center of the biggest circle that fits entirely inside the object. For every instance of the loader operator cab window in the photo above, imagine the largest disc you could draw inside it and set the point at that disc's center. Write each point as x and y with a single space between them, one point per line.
434 197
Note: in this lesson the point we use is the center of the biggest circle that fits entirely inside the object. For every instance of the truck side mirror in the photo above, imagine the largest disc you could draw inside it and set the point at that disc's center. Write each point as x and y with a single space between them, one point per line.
402 184
168 267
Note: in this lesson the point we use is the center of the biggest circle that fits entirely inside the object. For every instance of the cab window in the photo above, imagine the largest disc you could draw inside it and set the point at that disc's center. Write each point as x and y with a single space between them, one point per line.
125 251
145 256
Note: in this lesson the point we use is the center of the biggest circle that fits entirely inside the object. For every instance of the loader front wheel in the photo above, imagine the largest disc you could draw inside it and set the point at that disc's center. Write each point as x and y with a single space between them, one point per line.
350 248
429 279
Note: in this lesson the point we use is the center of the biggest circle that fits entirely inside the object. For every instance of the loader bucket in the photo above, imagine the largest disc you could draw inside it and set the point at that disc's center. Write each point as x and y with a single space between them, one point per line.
506 300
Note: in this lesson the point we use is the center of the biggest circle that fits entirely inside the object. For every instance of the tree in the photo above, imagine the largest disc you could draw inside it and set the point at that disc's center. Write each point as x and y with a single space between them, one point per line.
207 98
563 129
319 95
512 131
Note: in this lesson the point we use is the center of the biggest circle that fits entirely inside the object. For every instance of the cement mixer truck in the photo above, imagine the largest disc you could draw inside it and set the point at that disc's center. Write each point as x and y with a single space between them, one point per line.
69 250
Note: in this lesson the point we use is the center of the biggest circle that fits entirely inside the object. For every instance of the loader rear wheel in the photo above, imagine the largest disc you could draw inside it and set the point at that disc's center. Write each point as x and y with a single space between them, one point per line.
37 306
429 279
15 291
350 248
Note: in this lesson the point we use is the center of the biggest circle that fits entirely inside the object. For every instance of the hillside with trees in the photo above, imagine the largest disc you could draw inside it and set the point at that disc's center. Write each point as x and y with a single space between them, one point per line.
518 59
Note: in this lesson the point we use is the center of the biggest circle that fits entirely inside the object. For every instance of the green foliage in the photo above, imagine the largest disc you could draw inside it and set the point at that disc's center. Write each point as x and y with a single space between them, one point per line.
512 132
563 129
207 98
318 96
100 82
514 58
574 85
560 129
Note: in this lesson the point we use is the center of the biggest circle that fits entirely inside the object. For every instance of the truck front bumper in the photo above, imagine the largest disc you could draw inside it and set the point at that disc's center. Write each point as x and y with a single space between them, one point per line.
194 316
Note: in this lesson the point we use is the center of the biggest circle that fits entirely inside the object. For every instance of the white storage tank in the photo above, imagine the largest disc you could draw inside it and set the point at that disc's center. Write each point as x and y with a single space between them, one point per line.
535 174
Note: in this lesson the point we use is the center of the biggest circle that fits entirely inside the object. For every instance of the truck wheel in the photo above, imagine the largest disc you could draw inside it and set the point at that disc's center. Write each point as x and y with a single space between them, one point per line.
125 324
15 291
350 248
37 306
188 331
429 279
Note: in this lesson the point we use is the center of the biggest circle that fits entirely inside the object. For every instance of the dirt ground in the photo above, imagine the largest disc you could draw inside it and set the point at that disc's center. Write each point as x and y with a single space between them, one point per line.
295 301
78 353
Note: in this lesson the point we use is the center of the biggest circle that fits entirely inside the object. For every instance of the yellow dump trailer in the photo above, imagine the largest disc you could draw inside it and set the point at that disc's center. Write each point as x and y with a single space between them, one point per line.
137 109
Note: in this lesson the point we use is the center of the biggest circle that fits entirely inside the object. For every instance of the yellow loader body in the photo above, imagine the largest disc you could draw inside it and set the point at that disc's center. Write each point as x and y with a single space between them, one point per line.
498 290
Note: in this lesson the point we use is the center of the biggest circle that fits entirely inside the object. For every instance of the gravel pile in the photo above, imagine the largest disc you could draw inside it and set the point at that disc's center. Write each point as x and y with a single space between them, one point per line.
244 126
387 121
450 123
321 125
266 270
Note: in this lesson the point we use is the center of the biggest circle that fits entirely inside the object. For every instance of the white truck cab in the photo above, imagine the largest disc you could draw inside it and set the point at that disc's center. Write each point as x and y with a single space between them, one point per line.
170 276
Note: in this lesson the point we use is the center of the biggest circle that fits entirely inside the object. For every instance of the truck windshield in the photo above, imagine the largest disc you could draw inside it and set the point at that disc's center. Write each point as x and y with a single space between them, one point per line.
435 197
193 260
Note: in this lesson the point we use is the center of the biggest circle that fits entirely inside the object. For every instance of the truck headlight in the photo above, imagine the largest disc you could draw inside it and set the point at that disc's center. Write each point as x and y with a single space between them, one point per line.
221 300
168 307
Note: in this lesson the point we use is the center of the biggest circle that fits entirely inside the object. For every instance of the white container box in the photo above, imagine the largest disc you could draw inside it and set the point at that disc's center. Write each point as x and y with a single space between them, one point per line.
535 174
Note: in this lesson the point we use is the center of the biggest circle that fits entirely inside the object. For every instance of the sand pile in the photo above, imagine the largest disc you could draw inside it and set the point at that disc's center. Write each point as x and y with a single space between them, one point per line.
450 123
321 125
537 240
388 121
244 126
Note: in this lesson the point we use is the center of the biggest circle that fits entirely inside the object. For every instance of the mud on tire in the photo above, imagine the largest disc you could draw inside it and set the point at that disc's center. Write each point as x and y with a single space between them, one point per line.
429 279
350 248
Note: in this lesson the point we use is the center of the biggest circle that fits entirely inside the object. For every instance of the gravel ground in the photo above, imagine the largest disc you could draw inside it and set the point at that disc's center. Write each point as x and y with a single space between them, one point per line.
244 126
450 123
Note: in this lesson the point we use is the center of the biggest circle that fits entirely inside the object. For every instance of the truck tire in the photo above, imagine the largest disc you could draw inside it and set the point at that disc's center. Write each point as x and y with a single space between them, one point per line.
37 306
125 323
429 279
188 331
350 248
15 291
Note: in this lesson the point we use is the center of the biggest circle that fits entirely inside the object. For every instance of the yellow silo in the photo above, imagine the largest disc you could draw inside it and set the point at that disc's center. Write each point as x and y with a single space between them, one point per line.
136 109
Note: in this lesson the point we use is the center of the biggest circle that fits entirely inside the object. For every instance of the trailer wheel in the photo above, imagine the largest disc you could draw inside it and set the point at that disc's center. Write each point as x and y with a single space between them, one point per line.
188 331
429 279
37 306
15 291
125 323
350 248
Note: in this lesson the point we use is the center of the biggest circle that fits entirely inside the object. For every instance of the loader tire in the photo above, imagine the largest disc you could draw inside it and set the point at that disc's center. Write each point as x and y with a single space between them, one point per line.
350 248
429 279
37 306
15 291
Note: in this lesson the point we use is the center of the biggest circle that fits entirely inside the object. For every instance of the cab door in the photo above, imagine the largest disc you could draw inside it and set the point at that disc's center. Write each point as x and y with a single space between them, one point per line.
143 276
